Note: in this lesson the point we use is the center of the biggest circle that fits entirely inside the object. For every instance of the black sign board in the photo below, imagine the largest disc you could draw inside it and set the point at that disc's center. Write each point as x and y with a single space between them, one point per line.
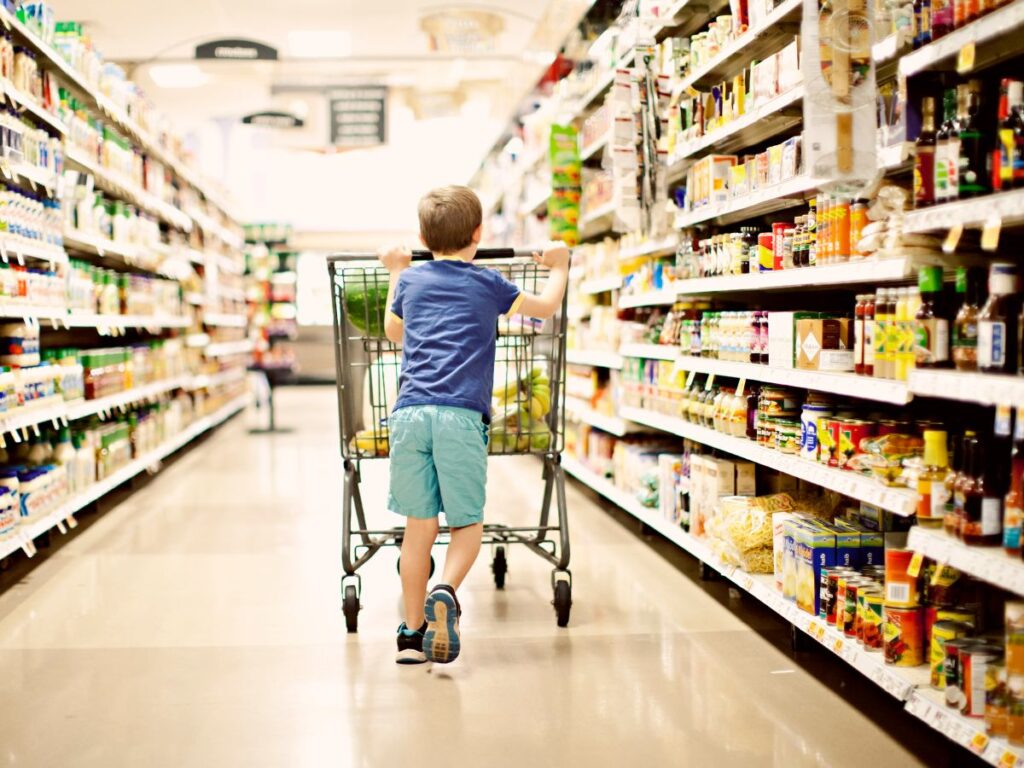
236 50
358 115
272 119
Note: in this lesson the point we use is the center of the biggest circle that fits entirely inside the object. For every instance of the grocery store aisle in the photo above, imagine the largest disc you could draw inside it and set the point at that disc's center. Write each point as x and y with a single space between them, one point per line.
198 624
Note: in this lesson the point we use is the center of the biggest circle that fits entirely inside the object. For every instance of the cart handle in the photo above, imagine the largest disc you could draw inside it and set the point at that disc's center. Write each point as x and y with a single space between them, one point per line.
482 254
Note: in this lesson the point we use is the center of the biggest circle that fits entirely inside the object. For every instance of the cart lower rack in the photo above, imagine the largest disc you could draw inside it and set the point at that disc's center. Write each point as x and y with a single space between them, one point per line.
528 416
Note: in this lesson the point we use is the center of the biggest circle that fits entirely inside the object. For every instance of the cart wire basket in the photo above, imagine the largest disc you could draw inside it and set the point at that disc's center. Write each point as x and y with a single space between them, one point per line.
527 414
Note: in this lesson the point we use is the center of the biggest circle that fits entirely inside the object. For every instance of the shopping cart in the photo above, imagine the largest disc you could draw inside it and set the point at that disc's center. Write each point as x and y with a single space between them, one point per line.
528 419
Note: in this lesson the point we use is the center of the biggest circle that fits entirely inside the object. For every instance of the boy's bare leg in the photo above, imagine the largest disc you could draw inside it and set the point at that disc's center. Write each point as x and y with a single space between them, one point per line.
417 541
462 552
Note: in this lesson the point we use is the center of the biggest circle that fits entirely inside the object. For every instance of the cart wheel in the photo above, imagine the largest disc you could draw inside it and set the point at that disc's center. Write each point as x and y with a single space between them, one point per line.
499 567
563 602
398 565
350 606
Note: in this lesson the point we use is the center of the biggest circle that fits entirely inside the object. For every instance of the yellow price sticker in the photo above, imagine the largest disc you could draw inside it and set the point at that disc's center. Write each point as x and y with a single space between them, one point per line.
1008 759
990 233
741 388
710 382
953 239
979 741
965 59
914 569
837 646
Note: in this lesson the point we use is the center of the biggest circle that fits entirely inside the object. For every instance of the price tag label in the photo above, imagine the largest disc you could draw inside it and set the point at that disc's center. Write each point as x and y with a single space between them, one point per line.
741 388
978 742
689 378
990 233
914 569
1008 759
710 382
1003 420
837 646
71 522
61 527
952 239
965 59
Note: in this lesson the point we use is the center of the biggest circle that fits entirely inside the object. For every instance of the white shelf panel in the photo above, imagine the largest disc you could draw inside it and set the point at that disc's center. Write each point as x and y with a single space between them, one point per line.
597 222
895 156
22 538
596 358
23 102
848 384
650 351
601 284
773 198
603 84
897 682
900 501
885 49
52 410
35 176
100 246
991 564
588 152
929 705
578 409
998 26
122 400
663 247
973 212
214 380
19 249
30 312
664 297
866 271
228 348
108 323
538 204
983 388
225 320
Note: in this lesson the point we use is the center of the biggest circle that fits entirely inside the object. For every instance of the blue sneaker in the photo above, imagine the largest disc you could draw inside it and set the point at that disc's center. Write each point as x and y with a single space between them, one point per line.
441 640
410 645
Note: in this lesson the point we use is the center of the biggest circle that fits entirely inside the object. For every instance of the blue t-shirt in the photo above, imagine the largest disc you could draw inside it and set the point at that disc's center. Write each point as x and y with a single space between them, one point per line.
450 309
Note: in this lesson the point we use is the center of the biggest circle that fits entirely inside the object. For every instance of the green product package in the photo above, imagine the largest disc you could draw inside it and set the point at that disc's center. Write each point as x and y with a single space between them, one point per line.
564 203
366 303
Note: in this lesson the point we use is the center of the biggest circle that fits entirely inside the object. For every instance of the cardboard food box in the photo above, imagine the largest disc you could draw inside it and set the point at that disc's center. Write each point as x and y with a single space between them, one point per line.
779 521
815 550
781 339
822 343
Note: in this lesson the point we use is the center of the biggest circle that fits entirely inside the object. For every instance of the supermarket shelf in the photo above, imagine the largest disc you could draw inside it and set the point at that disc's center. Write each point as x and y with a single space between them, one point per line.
983 388
768 200
123 399
126 190
687 16
929 705
99 246
225 320
195 298
601 284
661 298
848 384
23 102
597 222
538 204
770 119
665 246
53 410
197 340
992 35
752 44
896 156
29 312
595 147
989 563
228 348
212 380
578 409
870 272
885 49
64 514
897 682
603 84
974 212
35 176
21 249
112 322
897 500
650 351
211 227
596 358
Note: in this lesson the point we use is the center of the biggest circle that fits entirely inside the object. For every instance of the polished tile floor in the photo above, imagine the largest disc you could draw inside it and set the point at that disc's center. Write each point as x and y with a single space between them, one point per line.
198 624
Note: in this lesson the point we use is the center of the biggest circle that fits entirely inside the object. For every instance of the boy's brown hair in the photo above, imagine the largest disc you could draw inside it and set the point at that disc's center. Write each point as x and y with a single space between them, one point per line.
448 218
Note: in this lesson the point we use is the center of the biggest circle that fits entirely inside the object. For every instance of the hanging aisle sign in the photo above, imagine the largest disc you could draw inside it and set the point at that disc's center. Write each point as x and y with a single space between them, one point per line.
358 115
236 50
271 119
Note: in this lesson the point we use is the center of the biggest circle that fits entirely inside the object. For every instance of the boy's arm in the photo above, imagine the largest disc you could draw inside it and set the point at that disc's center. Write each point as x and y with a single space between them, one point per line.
555 258
395 261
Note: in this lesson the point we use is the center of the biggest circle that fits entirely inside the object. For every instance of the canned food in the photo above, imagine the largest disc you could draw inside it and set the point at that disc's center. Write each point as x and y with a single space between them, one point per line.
778 402
900 587
951 669
809 417
904 636
787 436
853 587
830 579
851 432
943 632
974 663
893 427
1015 638
1015 709
765 252
778 233
938 589
873 617
964 614
997 699
827 445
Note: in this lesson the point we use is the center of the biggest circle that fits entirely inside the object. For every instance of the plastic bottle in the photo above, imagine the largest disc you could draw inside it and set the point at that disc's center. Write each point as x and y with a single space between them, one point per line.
884 309
899 336
997 321
869 335
859 335
931 483
64 455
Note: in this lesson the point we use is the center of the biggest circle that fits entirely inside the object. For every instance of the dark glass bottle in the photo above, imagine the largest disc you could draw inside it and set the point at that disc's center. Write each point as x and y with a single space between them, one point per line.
931 327
1013 505
924 156
973 177
965 326
970 492
997 321
947 151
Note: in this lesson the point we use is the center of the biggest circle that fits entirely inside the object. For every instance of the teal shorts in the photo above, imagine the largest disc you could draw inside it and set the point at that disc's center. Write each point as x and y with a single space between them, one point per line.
438 463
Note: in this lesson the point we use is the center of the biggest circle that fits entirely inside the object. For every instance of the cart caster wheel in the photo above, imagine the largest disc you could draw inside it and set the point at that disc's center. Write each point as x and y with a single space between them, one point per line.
707 573
563 602
398 565
499 567
350 607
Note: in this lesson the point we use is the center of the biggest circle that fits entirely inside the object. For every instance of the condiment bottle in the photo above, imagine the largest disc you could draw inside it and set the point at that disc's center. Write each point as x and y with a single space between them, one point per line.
965 325
951 520
858 336
972 177
1013 507
947 150
931 483
884 308
997 322
869 335
924 156
970 491
900 336
931 330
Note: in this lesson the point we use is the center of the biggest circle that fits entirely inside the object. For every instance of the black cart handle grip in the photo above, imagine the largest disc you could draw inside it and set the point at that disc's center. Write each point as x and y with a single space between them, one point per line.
482 254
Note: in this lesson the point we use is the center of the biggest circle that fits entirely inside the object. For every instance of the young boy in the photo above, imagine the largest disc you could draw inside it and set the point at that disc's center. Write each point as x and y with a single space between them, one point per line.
444 313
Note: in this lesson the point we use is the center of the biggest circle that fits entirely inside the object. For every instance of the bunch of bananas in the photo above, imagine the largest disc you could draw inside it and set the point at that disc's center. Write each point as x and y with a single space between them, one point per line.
371 442
522 405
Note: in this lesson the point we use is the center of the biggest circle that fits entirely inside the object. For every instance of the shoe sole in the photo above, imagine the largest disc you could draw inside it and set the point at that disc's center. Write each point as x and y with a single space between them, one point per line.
410 656
441 641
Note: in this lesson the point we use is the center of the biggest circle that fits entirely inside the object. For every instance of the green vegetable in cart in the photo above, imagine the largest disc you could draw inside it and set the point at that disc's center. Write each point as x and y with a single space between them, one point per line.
366 304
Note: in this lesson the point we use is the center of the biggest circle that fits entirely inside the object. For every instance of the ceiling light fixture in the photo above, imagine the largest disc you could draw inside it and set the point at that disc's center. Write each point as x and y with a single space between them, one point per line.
178 76
462 30
320 44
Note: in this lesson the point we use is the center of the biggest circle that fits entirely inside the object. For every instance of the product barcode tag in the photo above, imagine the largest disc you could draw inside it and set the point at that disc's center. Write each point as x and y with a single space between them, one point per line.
965 59
914 569
741 388
990 233
710 382
952 239
1003 420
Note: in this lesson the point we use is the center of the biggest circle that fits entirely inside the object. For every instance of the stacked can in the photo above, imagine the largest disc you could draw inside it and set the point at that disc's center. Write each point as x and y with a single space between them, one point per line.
1004 710
903 627
852 603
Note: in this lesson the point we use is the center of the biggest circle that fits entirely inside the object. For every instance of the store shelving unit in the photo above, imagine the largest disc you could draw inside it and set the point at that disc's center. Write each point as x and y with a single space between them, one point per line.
867 272
770 199
597 222
662 247
1005 207
649 351
594 358
19 249
665 297
986 389
601 284
988 563
613 425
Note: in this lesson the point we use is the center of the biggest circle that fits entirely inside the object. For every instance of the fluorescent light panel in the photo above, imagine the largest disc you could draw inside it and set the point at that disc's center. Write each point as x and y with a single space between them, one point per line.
178 76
